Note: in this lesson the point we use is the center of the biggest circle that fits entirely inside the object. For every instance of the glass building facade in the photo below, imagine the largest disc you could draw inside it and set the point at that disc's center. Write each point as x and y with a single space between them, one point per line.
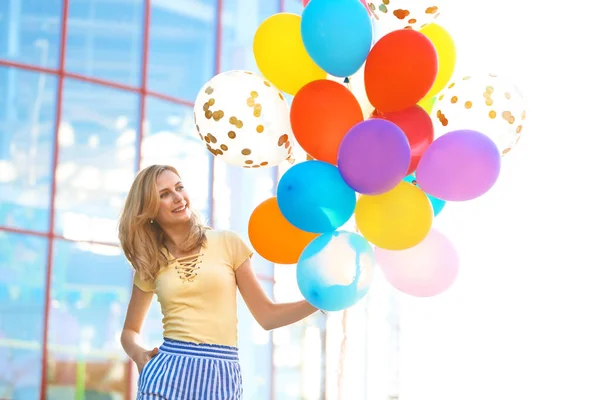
90 92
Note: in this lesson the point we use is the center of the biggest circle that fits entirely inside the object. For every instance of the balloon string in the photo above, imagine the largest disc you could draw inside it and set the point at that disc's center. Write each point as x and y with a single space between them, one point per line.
342 354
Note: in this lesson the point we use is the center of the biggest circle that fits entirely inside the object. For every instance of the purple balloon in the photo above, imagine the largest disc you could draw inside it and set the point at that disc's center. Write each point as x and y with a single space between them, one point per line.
458 166
374 156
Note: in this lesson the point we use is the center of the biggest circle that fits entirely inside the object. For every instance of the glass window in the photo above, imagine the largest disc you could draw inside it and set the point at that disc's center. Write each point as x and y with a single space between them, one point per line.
293 6
22 278
27 123
383 340
97 139
171 139
240 19
91 285
30 31
255 186
299 348
222 193
105 39
182 46
255 351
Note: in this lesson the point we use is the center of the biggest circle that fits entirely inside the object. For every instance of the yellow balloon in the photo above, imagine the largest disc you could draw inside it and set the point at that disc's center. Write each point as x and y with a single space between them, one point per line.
395 220
446 51
427 104
280 54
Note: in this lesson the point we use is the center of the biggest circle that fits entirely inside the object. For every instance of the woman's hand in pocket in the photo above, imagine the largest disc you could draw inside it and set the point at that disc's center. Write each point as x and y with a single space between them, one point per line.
144 357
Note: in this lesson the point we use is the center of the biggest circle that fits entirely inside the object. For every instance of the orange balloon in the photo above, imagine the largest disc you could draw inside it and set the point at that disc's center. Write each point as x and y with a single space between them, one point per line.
273 237
322 112
400 70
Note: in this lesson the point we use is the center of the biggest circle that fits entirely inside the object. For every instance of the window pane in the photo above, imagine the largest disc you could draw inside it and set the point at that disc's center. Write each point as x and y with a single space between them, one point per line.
27 123
240 19
383 340
293 6
299 348
255 351
22 280
171 139
252 185
91 285
97 140
30 31
182 46
105 39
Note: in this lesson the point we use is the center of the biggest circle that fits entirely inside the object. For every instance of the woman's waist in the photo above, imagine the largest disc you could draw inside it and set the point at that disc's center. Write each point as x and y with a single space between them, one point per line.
204 350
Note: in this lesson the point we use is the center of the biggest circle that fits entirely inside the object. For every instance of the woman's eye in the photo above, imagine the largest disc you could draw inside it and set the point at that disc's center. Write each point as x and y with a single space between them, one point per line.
163 195
180 188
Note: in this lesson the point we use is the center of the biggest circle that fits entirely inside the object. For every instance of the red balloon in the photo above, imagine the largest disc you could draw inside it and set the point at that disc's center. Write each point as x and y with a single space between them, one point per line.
418 128
322 112
400 70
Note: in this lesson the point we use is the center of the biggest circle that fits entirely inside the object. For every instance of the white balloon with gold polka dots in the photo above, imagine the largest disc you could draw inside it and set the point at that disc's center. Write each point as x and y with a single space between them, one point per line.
244 120
393 15
486 103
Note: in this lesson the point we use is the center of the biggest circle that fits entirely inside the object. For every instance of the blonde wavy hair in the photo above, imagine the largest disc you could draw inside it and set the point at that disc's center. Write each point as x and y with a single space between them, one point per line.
143 241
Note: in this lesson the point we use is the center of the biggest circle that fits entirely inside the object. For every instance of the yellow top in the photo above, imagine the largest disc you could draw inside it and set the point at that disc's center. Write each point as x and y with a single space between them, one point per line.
198 294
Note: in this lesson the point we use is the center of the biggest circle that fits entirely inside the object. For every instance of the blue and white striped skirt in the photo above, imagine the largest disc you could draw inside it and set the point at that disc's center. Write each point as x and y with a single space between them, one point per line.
183 370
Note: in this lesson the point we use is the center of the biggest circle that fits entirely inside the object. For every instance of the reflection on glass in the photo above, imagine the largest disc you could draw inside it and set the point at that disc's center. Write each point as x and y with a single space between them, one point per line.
22 275
182 46
383 340
171 139
293 6
30 31
27 119
240 20
223 200
90 290
299 348
97 140
105 39
255 351
362 347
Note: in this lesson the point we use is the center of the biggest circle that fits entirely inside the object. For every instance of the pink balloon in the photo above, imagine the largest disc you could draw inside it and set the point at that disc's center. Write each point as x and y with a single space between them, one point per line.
363 2
424 270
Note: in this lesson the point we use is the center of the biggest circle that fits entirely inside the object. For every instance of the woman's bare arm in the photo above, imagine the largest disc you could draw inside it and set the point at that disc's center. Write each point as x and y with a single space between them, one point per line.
136 314
268 314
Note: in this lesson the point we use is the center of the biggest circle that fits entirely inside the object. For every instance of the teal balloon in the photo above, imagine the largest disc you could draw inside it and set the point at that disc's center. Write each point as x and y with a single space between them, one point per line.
337 35
437 204
335 270
313 196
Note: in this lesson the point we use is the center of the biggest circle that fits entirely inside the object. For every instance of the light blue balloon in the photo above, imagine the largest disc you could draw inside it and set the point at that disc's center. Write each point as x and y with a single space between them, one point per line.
325 265
436 204
313 196
337 34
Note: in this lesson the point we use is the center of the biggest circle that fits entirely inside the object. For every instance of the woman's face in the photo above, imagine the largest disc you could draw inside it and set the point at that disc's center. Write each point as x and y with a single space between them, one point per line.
174 201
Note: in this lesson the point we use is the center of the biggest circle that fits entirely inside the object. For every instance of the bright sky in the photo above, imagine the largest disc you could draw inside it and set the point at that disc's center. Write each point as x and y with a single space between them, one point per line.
522 321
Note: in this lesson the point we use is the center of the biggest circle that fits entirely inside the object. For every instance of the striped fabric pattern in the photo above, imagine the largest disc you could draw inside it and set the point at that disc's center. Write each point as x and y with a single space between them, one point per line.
189 371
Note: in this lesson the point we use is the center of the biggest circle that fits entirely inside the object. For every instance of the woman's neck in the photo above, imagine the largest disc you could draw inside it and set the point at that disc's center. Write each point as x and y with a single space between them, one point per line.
175 237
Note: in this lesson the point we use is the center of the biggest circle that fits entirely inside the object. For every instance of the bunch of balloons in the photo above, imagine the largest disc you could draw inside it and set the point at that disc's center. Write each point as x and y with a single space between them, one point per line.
391 140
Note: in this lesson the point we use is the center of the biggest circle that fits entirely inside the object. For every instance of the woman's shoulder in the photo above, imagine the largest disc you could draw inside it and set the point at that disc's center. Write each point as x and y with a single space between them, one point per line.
220 235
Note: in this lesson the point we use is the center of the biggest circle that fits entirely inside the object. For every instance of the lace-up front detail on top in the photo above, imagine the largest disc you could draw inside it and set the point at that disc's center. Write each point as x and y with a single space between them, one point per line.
187 267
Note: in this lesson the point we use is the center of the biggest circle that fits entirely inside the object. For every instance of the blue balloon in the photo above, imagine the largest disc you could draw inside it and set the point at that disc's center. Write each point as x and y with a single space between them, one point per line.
337 34
314 197
436 204
335 270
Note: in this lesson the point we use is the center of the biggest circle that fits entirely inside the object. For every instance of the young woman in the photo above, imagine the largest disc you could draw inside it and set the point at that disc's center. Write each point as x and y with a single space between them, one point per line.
195 273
